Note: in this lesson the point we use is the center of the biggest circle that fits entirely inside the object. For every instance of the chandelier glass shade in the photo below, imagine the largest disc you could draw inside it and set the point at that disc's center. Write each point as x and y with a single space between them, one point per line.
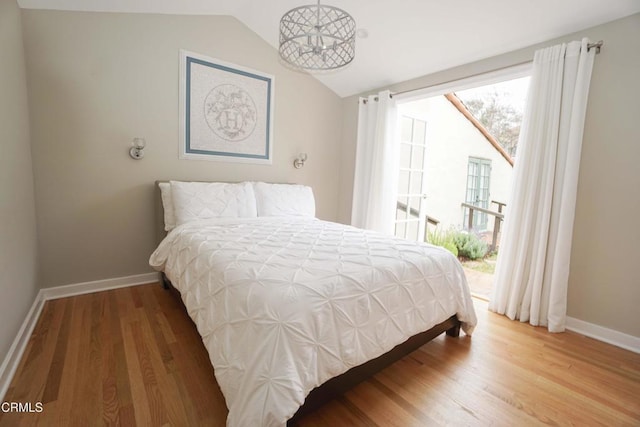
317 37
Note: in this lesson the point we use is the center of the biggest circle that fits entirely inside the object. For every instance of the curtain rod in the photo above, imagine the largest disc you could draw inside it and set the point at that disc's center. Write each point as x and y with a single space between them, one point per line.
597 45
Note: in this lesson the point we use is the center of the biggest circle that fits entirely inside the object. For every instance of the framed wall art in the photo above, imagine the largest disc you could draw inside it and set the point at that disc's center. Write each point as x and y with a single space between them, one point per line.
226 111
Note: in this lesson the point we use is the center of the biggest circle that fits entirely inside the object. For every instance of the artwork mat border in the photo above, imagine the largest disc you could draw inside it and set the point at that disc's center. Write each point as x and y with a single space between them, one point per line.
183 154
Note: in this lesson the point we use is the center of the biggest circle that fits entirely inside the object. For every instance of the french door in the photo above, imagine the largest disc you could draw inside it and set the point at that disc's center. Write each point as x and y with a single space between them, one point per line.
410 212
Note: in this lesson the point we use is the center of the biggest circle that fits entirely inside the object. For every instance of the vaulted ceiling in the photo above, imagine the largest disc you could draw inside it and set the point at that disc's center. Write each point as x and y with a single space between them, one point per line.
405 38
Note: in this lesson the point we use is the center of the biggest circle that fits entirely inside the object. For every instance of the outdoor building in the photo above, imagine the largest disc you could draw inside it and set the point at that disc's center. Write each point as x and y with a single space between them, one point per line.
462 162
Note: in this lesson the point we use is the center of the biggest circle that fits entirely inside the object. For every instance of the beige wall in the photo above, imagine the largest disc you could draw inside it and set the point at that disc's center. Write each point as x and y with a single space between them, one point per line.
96 80
18 244
604 285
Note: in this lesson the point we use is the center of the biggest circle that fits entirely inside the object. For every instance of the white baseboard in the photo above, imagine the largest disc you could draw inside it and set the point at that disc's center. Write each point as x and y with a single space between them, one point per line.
98 285
19 345
600 333
13 357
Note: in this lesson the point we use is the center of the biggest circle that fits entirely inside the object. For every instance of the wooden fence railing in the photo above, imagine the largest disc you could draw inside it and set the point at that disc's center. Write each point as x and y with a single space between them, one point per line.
415 213
499 217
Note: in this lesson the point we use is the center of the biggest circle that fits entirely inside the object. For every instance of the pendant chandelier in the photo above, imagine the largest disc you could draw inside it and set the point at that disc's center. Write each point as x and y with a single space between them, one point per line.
317 37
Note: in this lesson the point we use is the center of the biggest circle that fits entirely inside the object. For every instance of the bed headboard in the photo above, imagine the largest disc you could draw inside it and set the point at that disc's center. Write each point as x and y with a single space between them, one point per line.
159 209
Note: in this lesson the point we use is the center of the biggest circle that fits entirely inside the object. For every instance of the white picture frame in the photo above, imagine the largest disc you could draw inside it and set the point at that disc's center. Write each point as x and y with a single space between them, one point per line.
226 111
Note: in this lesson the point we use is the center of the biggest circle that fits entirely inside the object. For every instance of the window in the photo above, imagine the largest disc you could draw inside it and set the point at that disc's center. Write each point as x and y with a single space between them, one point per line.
477 194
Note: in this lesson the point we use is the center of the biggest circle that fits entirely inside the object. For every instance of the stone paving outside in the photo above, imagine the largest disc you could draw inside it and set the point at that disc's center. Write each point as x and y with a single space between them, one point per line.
480 283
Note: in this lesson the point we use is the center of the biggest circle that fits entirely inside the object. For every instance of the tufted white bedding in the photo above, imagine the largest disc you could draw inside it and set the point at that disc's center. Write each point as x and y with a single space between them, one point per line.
284 304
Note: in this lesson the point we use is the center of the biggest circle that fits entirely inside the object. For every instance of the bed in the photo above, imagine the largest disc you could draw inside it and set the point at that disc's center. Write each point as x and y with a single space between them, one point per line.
293 309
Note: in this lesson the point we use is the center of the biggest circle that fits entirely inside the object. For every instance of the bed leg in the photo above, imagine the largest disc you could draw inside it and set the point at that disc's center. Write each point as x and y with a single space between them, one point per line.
166 283
454 331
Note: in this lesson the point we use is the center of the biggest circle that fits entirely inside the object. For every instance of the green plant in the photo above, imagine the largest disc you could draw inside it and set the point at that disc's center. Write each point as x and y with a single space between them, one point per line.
444 239
470 246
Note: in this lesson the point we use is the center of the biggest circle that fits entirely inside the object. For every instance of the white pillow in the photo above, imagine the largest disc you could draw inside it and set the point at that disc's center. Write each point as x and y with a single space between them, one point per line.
194 201
167 205
284 200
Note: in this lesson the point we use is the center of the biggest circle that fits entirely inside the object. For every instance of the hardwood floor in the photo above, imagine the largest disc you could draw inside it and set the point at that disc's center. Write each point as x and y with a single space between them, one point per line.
132 356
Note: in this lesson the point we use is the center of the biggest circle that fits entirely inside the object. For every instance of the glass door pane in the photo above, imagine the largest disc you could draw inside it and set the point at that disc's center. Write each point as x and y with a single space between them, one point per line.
477 194
410 215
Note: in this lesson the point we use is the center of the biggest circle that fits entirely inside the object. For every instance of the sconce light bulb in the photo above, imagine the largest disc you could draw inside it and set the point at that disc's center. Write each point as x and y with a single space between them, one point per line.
298 162
139 143
136 152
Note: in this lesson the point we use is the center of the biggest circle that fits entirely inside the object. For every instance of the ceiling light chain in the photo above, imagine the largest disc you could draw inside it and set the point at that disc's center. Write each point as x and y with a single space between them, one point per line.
317 37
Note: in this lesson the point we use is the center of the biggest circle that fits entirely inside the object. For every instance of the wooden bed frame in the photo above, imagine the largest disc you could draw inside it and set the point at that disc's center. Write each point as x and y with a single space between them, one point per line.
338 385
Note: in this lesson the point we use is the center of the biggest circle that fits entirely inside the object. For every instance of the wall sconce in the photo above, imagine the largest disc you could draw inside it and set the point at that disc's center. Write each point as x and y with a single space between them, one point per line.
298 162
136 151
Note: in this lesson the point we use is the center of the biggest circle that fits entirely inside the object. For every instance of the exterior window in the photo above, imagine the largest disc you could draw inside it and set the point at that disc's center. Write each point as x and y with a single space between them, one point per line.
477 194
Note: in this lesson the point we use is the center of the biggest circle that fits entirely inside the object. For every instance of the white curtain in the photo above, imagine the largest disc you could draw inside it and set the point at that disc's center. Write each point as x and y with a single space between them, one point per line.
533 265
375 186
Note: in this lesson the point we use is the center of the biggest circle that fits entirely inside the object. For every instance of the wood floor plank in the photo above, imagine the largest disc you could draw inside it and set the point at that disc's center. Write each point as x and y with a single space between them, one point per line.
70 373
158 355
87 387
132 356
339 412
124 402
390 413
142 409
59 339
36 367
431 397
108 372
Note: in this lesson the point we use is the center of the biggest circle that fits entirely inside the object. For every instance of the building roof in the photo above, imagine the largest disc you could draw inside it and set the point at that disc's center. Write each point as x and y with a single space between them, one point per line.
453 98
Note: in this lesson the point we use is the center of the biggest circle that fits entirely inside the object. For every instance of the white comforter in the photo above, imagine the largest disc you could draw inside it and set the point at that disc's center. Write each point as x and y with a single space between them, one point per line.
284 304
